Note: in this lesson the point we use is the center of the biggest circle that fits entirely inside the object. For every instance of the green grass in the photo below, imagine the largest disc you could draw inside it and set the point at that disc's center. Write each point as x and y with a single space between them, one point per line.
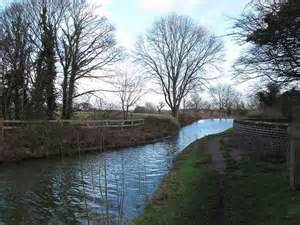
187 195
258 193
255 192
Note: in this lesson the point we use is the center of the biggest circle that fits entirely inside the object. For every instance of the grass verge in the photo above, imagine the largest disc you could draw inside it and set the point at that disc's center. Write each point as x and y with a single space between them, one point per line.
188 193
258 193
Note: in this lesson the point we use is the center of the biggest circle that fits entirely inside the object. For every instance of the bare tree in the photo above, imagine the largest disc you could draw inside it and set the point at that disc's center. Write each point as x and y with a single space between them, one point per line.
224 98
15 63
160 106
149 107
176 53
86 44
195 102
129 89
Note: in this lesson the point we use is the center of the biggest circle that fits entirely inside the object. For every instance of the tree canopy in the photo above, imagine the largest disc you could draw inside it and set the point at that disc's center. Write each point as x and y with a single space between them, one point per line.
176 52
272 30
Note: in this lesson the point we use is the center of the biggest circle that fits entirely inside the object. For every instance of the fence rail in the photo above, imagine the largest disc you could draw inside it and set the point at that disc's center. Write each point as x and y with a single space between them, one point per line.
15 124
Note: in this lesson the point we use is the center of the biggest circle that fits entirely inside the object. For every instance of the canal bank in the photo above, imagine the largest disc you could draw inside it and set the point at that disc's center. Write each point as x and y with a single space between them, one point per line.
193 191
215 182
189 193
60 139
92 188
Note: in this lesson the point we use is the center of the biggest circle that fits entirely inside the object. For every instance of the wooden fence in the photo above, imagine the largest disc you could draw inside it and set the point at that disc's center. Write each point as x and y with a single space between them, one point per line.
16 124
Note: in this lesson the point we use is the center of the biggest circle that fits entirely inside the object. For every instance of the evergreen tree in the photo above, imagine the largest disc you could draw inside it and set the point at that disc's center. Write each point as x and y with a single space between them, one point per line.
44 95
273 30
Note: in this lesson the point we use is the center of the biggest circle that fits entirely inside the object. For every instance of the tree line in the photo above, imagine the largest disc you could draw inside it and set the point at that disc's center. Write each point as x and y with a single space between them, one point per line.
46 48
271 29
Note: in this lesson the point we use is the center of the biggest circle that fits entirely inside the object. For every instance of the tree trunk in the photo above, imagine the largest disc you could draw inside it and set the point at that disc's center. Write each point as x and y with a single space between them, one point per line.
127 111
17 104
175 112
50 99
65 95
124 114
6 102
69 107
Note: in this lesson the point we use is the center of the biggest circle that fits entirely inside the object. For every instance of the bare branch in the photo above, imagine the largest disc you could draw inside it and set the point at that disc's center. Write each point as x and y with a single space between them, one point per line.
177 53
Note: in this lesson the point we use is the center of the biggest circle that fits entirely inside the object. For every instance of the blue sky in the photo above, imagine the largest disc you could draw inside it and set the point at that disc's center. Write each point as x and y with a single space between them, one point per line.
134 17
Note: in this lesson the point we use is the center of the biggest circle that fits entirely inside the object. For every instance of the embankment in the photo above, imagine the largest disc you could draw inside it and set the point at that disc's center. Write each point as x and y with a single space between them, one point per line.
186 118
253 191
187 195
43 140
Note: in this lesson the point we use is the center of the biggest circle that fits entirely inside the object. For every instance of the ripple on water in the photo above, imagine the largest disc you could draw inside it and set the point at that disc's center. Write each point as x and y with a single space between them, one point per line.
91 188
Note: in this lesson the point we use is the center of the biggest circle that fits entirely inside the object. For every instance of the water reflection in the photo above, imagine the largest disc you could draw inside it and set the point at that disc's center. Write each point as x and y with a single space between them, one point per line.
103 188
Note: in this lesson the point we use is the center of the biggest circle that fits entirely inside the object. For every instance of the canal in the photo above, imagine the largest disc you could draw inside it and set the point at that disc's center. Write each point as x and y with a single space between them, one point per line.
92 188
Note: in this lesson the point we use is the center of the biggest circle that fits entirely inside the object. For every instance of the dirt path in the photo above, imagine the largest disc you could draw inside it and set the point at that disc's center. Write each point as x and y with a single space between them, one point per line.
213 148
218 164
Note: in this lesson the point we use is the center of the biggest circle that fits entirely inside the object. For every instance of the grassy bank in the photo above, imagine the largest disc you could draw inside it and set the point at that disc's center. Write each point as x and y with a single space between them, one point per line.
187 194
257 192
254 192
38 141
184 118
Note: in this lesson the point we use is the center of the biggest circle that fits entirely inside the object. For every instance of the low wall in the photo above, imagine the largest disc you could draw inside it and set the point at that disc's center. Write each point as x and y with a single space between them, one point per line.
266 139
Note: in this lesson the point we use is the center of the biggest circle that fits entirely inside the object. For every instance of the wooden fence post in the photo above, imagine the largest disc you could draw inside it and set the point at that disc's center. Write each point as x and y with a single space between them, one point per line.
294 153
2 128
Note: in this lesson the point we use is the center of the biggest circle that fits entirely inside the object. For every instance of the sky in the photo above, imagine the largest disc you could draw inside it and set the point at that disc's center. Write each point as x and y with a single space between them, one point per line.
133 18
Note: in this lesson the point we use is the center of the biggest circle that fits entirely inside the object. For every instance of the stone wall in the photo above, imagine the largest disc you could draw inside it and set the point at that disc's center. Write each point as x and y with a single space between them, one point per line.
265 139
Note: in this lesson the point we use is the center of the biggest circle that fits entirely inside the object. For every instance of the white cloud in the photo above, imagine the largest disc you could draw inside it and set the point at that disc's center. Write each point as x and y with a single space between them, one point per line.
100 2
100 6
164 6
125 38
155 5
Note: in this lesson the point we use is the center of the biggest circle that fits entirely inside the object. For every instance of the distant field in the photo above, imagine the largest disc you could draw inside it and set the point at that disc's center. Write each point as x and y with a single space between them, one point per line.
184 118
115 115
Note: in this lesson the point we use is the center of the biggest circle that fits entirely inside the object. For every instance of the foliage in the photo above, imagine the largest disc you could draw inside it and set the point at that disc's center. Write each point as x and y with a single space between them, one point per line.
15 51
288 101
272 30
273 100
44 89
40 39
269 97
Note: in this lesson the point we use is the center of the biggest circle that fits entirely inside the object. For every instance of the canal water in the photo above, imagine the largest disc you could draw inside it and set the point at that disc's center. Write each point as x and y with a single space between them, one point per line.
92 188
